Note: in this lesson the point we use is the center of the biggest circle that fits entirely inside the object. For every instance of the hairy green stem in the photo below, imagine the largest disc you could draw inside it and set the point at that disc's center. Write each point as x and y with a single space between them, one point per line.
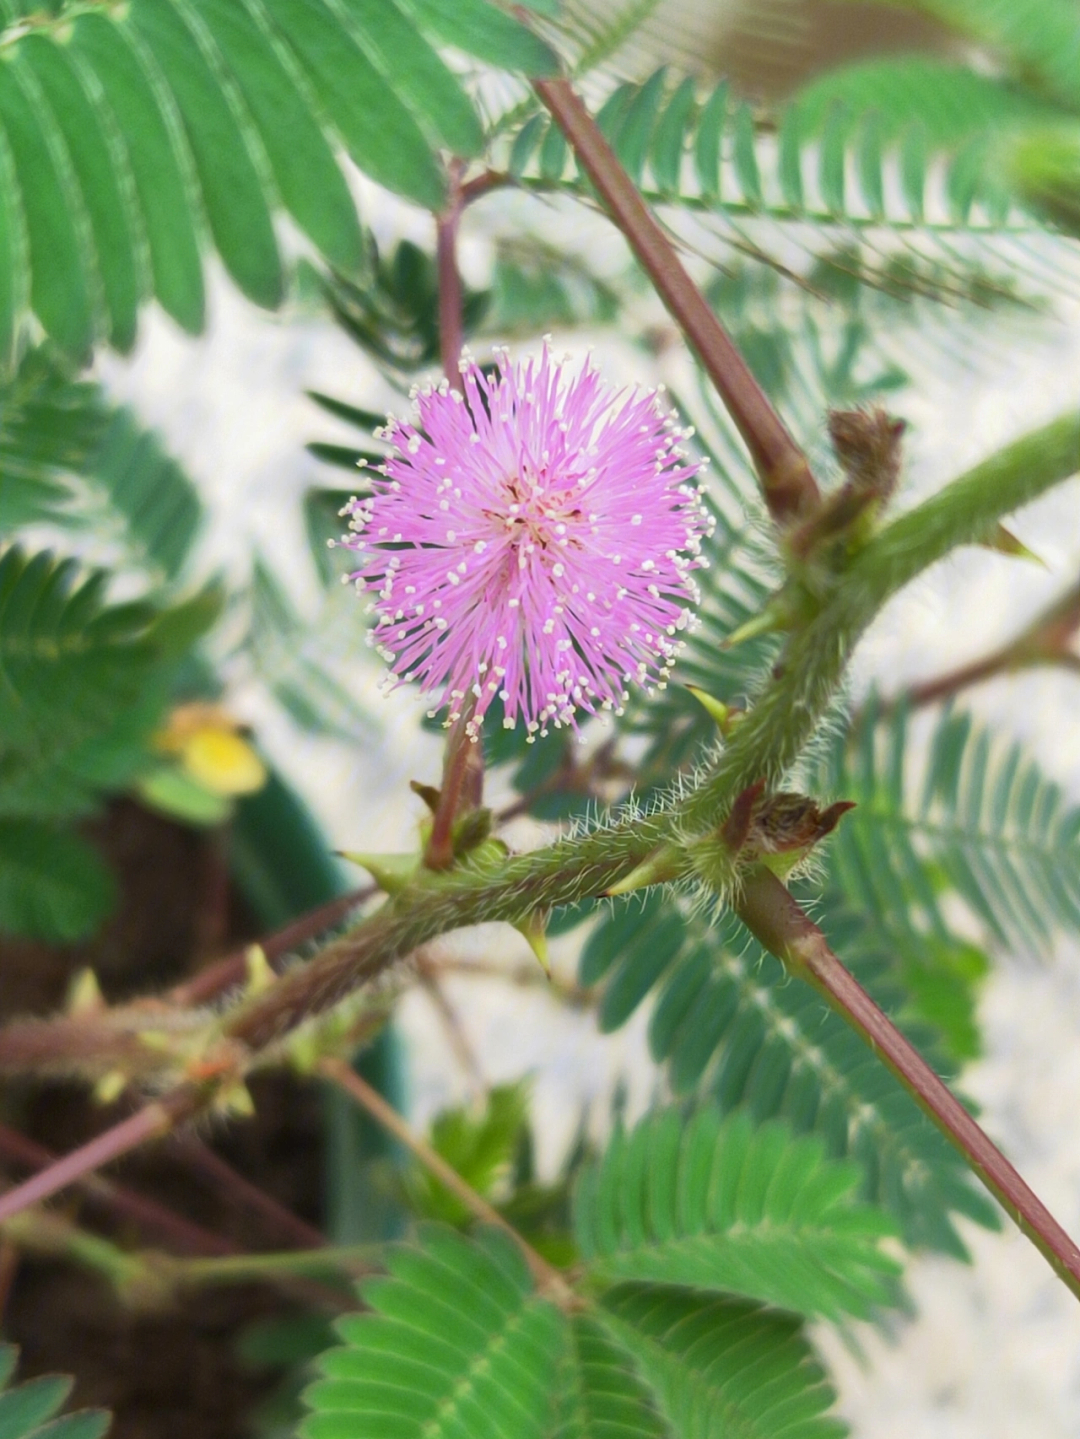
814 660
772 914
764 744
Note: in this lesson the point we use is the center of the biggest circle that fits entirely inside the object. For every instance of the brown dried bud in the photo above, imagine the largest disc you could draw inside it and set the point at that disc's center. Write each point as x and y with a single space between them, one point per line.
867 444
779 829
784 822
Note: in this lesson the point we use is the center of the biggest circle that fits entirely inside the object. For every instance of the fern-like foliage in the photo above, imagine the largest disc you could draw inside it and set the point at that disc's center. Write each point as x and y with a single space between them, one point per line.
481 1148
728 1023
31 1410
989 827
719 1205
885 155
599 1393
68 458
459 1344
126 135
83 684
718 1366
716 153
297 658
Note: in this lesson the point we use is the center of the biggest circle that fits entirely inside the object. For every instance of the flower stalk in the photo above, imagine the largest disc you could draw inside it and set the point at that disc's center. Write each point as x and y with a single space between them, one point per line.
548 1279
451 302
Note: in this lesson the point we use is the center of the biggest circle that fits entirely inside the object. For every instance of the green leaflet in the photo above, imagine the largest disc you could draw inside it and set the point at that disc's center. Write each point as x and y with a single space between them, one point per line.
222 145
61 263
728 1023
599 1393
27 1411
141 114
287 116
104 182
458 1347
487 32
70 458
130 136
428 88
990 826
715 1204
719 1366
53 886
83 683
379 132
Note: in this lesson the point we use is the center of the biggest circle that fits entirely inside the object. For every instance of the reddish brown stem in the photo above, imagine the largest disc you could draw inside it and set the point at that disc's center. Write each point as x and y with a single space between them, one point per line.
462 782
284 1222
151 1122
451 304
768 909
787 483
151 1216
1045 641
427 974
231 970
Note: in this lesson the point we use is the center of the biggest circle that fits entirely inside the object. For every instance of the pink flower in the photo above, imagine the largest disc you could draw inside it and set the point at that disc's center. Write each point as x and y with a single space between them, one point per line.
534 542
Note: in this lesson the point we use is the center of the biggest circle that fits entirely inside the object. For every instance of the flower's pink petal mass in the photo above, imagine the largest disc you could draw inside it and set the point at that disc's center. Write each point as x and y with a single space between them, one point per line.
533 541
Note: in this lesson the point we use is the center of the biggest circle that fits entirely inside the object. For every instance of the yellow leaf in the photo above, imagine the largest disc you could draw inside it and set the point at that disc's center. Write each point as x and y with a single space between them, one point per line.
223 761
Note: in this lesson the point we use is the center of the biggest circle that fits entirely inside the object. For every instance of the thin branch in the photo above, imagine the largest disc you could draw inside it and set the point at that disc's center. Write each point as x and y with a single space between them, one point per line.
151 1122
548 1278
484 183
149 1278
288 1225
226 973
353 1259
1045 641
427 974
771 913
459 787
124 1202
788 486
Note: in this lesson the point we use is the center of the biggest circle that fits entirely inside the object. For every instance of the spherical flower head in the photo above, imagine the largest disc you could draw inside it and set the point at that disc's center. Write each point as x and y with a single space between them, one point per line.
531 541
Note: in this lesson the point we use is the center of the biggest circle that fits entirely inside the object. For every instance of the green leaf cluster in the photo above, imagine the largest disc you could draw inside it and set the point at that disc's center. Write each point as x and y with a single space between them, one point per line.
718 152
989 827
726 1022
70 459
702 1241
131 137
31 1410
83 684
